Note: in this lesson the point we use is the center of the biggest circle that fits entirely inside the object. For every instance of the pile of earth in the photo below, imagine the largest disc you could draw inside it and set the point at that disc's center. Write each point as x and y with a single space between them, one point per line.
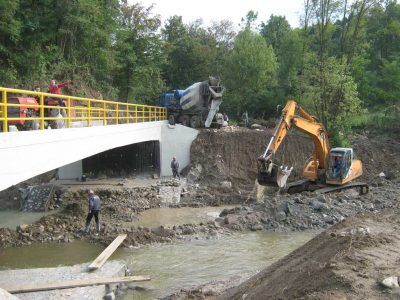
230 155
347 261
309 211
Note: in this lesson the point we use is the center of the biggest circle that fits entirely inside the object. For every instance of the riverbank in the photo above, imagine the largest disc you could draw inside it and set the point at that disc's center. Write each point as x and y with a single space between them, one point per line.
347 261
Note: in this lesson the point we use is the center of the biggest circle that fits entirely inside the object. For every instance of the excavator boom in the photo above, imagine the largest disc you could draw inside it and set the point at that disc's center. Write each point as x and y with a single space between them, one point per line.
294 116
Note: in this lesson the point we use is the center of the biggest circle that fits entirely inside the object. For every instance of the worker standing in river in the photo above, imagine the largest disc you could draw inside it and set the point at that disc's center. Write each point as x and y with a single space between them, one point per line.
94 210
175 168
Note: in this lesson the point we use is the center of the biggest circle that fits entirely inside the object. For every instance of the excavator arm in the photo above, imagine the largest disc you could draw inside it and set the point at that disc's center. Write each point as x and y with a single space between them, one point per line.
293 116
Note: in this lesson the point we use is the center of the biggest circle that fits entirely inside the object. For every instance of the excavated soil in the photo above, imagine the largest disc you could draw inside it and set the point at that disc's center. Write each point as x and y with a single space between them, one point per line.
231 155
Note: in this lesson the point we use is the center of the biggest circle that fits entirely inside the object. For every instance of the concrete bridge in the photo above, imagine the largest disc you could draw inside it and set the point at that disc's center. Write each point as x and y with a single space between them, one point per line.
26 154
80 128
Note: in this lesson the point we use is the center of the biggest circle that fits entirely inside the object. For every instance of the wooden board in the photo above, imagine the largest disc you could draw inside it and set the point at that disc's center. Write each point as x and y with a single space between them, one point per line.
26 288
101 259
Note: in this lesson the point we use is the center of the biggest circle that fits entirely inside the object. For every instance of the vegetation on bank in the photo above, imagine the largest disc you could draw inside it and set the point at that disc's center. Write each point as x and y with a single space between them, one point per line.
342 63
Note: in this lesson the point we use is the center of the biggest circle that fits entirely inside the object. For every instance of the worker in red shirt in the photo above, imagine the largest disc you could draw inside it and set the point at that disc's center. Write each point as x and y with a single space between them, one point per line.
55 88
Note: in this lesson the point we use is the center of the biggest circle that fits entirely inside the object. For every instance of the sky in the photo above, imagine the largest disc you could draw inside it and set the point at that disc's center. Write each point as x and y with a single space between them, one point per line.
217 10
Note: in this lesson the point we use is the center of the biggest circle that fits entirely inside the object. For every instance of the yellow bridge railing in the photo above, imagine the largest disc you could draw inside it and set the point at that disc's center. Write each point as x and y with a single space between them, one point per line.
27 110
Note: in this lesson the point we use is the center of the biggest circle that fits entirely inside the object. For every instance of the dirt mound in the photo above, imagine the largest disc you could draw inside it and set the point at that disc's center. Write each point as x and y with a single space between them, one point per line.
231 155
347 261
378 154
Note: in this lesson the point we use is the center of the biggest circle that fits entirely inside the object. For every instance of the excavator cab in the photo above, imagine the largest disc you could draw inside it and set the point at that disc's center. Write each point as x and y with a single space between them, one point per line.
340 160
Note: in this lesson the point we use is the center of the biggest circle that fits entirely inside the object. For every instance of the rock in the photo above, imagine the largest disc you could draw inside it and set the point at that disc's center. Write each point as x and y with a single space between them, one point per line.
109 296
369 206
257 126
390 282
321 198
256 227
22 227
226 184
318 206
281 216
188 231
194 173
286 208
298 200
231 219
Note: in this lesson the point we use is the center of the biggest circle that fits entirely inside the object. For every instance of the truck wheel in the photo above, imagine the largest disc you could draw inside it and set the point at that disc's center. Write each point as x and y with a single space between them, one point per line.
194 122
185 120
171 120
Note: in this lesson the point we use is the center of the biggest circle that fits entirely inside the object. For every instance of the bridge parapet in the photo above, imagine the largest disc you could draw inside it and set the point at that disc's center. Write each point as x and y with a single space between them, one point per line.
29 110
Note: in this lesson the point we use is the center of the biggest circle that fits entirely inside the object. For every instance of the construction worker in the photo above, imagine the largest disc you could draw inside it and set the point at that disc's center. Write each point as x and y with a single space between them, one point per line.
175 168
245 118
55 88
94 210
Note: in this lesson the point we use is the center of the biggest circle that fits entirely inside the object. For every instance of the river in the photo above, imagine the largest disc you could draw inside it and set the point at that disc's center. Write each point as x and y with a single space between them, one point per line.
170 266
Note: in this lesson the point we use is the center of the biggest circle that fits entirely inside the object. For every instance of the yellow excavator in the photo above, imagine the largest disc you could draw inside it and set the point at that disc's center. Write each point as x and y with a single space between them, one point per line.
327 170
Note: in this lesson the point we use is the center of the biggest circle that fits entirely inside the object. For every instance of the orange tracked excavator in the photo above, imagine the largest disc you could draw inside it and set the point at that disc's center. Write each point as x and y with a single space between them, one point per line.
327 170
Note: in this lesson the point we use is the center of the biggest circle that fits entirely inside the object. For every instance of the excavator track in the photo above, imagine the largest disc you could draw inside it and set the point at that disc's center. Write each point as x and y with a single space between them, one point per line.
319 188
362 186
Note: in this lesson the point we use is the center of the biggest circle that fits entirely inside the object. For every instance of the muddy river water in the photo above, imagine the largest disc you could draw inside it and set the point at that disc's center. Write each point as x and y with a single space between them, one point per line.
171 266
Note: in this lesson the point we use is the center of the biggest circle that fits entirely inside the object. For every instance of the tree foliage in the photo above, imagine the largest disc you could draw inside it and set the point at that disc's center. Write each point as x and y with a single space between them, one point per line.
250 73
344 55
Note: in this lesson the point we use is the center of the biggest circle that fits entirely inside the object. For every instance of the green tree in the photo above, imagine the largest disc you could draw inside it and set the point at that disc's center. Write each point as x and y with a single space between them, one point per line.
138 54
329 91
287 46
10 28
250 74
192 52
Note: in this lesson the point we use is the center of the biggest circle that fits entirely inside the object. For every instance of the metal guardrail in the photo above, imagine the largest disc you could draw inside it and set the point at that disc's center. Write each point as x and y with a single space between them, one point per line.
63 111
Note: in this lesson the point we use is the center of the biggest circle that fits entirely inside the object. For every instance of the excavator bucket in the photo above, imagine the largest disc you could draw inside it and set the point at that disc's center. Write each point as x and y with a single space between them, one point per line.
270 174
283 175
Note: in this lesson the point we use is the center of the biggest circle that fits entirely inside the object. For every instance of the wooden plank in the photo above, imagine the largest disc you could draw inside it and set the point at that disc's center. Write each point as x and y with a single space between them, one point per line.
26 288
101 259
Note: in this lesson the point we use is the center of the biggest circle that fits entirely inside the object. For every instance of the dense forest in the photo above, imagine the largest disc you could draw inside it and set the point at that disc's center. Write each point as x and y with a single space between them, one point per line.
342 63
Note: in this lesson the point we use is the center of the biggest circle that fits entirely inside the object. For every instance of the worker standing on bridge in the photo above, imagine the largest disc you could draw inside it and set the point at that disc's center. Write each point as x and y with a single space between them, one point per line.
55 88
175 168
94 210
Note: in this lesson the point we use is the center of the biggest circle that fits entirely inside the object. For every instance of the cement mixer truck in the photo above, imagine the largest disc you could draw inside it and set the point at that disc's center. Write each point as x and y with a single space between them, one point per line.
197 106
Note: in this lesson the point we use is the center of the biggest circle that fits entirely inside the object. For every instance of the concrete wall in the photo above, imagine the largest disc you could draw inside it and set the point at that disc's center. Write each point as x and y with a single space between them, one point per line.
176 141
71 171
26 154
